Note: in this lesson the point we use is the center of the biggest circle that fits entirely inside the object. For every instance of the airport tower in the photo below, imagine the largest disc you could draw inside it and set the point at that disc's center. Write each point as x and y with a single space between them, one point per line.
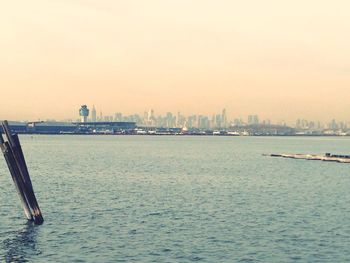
84 113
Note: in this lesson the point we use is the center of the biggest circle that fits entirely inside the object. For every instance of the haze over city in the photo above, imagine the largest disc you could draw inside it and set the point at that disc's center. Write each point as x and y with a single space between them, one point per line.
175 131
283 60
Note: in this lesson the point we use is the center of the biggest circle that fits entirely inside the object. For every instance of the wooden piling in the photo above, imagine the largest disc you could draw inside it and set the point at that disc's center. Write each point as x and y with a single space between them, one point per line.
13 153
14 173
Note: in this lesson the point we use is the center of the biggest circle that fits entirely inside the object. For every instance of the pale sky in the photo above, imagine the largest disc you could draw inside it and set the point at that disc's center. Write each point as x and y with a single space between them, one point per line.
281 59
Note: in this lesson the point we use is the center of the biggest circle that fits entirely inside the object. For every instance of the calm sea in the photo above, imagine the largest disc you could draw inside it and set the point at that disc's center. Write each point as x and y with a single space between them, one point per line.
179 199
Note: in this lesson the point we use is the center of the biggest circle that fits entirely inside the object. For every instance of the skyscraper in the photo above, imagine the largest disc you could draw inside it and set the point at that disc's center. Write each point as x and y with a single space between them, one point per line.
150 117
253 119
118 116
93 114
224 119
218 121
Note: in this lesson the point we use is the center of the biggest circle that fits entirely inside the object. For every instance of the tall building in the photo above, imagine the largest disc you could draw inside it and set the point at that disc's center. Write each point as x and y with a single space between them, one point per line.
191 121
218 121
151 120
253 120
180 120
203 122
150 115
93 114
224 119
118 116
333 125
169 123
212 122
237 122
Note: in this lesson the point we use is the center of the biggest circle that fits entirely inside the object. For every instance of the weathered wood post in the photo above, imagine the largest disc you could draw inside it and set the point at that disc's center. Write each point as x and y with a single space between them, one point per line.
14 172
14 157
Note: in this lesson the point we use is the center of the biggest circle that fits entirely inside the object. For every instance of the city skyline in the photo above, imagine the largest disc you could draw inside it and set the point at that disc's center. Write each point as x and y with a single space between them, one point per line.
279 60
220 119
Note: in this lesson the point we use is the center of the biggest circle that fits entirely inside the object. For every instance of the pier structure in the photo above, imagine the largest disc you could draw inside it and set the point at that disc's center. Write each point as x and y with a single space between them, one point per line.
328 157
16 163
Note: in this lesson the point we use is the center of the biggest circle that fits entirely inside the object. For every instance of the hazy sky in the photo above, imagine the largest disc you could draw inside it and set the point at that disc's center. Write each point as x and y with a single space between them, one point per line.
279 59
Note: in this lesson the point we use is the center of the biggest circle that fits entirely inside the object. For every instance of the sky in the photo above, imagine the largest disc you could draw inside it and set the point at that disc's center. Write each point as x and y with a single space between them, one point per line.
280 59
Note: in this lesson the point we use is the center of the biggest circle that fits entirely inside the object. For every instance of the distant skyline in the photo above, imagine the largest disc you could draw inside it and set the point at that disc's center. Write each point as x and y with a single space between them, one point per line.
282 60
144 118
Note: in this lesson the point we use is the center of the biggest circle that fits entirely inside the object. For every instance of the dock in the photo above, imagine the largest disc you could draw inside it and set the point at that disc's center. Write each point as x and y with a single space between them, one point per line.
314 157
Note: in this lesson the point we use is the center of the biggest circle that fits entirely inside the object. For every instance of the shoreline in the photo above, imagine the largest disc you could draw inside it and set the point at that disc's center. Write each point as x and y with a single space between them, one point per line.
199 135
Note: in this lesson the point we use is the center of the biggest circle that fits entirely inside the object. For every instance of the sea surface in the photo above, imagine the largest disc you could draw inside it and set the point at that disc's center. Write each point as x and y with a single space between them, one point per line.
179 199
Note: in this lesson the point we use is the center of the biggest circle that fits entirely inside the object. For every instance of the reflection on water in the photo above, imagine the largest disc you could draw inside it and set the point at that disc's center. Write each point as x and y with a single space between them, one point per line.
21 244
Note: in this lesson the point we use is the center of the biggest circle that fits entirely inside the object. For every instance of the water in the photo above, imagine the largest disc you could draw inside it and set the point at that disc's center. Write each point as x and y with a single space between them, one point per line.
179 199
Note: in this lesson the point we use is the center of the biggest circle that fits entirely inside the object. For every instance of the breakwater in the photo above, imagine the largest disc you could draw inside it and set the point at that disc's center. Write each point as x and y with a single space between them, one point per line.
314 157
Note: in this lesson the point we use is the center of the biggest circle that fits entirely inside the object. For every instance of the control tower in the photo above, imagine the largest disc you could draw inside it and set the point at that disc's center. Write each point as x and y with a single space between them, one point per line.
84 113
